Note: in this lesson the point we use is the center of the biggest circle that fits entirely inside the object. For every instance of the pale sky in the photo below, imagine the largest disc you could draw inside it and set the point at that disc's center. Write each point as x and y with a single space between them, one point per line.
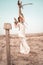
33 15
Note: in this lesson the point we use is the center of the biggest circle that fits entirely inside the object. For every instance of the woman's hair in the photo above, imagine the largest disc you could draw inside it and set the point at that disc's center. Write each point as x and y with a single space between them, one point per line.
21 17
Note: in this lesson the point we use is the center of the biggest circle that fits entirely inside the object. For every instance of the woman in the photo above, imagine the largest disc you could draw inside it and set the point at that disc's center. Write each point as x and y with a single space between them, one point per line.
24 48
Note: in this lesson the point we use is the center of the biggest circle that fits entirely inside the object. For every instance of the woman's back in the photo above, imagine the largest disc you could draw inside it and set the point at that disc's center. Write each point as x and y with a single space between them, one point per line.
21 29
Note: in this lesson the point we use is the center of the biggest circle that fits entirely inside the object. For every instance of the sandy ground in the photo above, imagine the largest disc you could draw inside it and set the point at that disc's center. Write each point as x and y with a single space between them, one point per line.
35 57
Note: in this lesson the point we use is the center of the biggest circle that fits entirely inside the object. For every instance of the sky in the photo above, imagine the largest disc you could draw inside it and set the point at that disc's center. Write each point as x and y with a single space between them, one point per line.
33 15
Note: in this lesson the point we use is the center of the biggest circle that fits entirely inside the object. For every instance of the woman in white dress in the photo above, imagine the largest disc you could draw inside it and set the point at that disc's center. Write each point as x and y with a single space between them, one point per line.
24 48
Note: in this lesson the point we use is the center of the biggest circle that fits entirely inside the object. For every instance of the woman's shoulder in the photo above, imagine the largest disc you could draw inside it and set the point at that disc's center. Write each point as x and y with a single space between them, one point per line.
19 23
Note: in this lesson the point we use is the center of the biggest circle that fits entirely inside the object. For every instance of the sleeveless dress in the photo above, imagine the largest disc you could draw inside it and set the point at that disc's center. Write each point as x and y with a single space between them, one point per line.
24 47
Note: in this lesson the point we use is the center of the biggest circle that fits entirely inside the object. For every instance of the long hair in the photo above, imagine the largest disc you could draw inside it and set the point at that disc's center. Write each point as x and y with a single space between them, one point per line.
22 18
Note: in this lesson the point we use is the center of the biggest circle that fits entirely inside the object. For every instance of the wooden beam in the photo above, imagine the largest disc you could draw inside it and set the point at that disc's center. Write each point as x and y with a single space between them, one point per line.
7 27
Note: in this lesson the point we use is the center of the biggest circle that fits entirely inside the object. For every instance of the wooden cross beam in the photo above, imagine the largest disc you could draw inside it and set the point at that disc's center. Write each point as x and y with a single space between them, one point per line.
20 6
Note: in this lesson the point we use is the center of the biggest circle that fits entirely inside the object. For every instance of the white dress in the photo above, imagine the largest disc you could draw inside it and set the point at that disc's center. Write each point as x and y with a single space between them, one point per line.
24 48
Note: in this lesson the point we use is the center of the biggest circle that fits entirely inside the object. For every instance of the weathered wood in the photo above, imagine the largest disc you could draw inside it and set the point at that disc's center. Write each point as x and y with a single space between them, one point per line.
7 27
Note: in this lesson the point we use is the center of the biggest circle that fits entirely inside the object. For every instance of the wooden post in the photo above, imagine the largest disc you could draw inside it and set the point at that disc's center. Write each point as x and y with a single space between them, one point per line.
7 27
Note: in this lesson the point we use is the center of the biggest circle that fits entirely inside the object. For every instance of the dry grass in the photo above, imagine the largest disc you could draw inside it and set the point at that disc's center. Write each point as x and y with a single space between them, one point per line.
35 57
